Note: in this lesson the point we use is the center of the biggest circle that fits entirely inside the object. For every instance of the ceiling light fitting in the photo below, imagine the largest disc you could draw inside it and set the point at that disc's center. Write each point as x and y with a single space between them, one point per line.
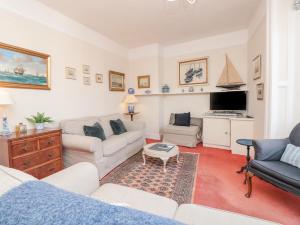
297 4
192 2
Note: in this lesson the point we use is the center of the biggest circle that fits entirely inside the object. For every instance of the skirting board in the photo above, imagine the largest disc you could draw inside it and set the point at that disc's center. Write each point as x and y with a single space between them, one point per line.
155 136
217 146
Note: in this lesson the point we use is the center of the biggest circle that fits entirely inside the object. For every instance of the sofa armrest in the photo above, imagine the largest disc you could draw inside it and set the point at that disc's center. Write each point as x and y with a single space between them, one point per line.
84 143
81 178
269 149
134 125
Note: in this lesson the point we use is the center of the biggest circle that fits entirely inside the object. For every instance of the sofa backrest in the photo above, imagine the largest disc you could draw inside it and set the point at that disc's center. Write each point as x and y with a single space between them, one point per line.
295 135
75 126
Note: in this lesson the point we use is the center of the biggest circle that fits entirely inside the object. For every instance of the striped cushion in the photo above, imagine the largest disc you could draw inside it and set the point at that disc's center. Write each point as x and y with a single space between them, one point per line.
291 155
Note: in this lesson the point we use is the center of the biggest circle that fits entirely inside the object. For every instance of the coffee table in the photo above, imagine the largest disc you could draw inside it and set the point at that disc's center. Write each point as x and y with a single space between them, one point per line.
163 155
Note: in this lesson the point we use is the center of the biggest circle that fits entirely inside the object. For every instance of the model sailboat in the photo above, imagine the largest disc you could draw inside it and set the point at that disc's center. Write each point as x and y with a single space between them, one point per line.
230 77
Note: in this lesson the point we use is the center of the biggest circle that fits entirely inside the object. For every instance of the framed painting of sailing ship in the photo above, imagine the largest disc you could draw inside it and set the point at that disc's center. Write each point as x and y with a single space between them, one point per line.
23 68
193 72
116 81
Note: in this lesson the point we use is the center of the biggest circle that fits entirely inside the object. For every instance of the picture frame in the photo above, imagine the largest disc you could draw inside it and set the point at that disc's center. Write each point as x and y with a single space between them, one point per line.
99 78
86 80
116 81
260 91
143 81
257 67
70 73
86 69
193 72
24 68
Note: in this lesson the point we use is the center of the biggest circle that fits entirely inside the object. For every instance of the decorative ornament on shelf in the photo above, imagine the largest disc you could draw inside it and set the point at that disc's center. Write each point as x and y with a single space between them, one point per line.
191 89
165 89
39 120
131 91
5 100
130 100
148 92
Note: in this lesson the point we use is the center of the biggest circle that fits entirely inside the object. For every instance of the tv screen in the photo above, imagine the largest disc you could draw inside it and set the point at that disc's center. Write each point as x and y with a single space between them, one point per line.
234 100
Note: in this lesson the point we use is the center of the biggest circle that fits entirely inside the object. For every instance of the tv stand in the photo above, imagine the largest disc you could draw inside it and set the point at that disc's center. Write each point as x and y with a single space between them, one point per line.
222 131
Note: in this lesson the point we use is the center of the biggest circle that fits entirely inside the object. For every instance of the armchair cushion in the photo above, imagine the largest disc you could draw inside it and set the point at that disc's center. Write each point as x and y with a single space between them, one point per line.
270 149
291 155
279 170
181 130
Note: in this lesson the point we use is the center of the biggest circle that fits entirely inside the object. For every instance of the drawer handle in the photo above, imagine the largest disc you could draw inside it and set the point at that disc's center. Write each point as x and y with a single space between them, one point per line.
26 163
50 142
51 170
50 155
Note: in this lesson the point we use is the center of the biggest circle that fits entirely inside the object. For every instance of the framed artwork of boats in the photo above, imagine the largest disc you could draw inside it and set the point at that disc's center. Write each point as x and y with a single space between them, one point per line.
193 72
23 68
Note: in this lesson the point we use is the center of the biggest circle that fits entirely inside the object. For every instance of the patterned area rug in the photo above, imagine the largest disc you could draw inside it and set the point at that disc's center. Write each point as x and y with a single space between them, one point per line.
177 183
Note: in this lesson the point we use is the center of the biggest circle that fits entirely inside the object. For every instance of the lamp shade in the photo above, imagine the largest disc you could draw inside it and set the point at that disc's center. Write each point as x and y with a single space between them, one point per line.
130 99
5 98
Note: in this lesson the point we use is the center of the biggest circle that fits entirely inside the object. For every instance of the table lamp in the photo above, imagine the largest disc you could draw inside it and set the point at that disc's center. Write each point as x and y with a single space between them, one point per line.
130 100
5 100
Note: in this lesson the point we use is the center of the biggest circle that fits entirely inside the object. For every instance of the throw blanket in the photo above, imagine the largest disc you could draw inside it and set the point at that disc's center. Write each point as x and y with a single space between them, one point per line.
39 203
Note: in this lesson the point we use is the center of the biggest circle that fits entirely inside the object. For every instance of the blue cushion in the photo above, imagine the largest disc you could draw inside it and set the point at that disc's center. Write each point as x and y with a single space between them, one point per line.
182 119
94 131
117 126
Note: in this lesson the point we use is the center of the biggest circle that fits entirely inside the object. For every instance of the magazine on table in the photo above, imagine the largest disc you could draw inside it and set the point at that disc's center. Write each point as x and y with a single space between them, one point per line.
162 147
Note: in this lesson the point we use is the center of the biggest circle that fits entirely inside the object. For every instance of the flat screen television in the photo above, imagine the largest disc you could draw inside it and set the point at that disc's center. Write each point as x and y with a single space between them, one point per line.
228 101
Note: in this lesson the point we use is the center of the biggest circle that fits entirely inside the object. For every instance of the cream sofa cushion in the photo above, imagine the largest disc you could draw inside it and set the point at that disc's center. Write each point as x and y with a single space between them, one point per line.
182 130
202 215
132 136
136 199
113 144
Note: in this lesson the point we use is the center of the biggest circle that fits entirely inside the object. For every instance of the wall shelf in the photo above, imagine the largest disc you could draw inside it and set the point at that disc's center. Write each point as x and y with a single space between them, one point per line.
185 93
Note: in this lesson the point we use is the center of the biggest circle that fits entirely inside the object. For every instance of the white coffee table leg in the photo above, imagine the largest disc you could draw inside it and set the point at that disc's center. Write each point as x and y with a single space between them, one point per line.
177 157
144 158
165 164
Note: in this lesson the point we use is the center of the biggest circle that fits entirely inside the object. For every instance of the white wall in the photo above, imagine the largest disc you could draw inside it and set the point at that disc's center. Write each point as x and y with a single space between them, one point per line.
67 98
161 63
257 45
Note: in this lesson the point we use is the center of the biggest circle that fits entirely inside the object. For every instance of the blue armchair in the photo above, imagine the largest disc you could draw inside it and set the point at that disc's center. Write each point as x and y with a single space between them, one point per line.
267 165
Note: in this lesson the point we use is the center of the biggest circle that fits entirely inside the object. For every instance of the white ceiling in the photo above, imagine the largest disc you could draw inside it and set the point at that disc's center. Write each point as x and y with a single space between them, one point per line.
134 23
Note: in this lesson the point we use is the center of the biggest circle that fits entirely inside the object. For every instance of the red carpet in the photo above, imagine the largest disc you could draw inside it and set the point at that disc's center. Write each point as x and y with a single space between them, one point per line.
219 186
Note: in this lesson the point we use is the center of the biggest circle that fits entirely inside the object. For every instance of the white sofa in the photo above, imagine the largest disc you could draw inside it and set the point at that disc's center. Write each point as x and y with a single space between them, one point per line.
82 178
105 155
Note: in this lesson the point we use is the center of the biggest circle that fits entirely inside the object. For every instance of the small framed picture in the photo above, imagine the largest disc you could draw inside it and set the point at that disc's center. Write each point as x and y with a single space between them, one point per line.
257 67
99 78
143 81
86 80
70 73
116 81
86 69
260 91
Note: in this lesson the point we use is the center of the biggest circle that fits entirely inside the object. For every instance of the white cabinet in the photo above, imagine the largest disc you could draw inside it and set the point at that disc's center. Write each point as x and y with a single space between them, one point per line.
216 132
222 132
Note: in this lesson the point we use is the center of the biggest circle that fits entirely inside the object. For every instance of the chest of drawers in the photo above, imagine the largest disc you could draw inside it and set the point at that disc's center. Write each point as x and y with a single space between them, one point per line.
38 153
